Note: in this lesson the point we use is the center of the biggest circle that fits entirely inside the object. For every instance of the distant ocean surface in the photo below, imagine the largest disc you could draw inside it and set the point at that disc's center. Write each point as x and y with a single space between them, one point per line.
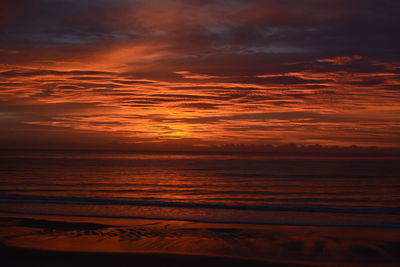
238 188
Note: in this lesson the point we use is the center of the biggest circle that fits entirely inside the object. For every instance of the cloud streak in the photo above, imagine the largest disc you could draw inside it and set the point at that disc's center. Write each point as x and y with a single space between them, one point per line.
202 72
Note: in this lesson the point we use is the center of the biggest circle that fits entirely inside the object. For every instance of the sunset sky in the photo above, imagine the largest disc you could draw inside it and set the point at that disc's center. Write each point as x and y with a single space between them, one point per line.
96 73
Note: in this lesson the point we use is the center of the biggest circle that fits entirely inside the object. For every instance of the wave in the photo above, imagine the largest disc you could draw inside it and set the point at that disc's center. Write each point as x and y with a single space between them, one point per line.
303 176
151 202
188 192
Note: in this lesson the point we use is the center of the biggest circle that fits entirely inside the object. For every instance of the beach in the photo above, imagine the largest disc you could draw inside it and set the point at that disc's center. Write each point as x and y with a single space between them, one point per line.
55 240
36 258
199 133
179 209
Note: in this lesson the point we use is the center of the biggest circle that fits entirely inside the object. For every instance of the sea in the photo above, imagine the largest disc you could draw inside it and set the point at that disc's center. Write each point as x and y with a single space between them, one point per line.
246 188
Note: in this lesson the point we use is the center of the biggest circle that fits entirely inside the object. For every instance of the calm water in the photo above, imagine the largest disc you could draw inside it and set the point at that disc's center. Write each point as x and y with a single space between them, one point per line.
292 190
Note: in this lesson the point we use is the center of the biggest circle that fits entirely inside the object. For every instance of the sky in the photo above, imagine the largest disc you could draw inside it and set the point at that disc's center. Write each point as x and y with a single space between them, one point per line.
108 73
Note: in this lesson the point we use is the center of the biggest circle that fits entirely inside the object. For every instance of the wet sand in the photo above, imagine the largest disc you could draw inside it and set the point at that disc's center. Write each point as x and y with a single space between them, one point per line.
41 258
73 241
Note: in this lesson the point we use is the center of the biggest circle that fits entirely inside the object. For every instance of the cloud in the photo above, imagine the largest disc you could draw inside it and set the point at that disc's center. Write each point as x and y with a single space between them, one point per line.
214 71
344 60
189 75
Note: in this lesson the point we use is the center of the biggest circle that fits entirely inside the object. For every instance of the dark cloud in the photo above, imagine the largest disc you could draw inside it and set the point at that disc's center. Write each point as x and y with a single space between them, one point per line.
257 27
32 73
209 71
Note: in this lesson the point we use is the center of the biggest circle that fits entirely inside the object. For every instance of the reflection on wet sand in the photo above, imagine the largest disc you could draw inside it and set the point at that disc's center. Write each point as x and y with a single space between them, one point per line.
281 244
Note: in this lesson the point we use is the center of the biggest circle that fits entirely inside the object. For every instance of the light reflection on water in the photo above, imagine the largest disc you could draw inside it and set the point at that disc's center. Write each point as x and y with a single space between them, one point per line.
249 188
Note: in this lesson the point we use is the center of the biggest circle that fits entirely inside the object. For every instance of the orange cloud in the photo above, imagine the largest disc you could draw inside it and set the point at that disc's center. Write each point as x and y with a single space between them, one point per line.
201 72
345 60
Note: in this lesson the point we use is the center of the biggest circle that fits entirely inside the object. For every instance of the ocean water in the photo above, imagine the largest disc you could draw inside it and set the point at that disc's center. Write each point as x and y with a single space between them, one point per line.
237 188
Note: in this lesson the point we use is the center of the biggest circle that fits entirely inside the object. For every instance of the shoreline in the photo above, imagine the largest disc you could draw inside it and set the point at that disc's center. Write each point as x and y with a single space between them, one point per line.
4 213
219 216
39 236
